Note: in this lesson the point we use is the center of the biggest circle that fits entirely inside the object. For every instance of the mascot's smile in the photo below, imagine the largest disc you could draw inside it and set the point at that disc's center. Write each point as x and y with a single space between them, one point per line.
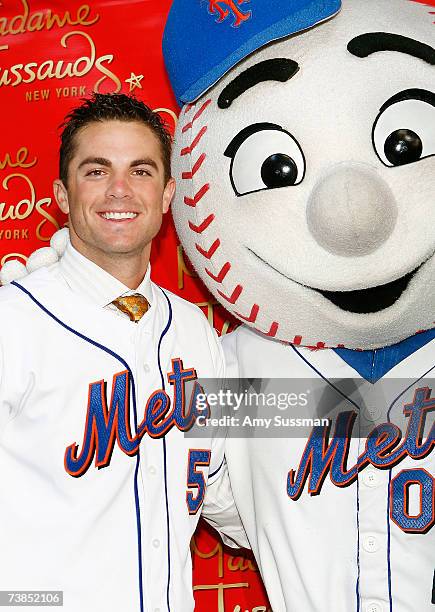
360 301
374 299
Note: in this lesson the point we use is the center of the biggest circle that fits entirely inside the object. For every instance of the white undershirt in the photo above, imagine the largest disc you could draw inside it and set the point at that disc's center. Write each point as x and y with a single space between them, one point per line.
93 283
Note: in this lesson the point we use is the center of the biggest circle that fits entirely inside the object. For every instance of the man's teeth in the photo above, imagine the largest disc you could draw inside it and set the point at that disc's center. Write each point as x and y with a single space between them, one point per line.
119 215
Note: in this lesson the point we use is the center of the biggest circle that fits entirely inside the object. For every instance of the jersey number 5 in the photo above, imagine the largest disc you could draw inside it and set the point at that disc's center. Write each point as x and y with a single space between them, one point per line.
198 459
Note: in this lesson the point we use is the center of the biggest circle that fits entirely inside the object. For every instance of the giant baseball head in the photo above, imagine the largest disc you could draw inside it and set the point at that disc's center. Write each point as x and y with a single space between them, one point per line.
306 165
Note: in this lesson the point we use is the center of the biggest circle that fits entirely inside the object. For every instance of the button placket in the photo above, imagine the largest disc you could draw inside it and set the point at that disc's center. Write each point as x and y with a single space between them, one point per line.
373 607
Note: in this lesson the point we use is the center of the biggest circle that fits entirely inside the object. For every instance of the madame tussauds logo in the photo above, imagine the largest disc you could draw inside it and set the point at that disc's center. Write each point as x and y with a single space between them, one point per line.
34 21
59 69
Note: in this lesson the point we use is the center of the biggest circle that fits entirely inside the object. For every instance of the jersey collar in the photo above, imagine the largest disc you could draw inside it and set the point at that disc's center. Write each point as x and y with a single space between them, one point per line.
374 364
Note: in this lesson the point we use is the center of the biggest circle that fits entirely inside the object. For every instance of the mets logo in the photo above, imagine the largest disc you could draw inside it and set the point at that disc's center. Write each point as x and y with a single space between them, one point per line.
224 8
109 423
385 448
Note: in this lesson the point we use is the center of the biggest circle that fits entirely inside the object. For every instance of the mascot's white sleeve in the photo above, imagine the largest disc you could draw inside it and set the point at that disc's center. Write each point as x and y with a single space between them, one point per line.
219 509
220 512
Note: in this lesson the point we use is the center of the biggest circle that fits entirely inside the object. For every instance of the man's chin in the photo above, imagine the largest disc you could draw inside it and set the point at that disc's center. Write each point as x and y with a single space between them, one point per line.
95 250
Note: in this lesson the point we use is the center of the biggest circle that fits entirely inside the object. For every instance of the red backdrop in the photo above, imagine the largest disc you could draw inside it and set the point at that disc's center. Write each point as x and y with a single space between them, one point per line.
51 54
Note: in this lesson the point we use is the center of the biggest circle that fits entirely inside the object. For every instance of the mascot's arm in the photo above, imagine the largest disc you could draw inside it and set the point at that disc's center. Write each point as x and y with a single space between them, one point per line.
220 511
14 270
219 508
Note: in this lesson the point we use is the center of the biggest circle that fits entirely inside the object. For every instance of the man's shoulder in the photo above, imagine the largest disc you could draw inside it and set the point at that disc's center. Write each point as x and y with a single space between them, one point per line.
9 295
23 291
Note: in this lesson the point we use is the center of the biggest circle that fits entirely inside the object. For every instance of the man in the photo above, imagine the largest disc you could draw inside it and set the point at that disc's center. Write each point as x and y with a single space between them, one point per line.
100 490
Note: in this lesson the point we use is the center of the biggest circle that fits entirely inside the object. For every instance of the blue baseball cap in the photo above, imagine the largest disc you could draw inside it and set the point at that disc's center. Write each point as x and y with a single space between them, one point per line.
204 39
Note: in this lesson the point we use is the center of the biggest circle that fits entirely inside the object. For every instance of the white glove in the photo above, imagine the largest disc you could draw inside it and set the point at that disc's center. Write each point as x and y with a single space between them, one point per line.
14 269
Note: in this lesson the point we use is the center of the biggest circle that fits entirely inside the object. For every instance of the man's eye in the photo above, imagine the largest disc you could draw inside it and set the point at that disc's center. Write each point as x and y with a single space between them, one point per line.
142 172
404 131
95 172
264 156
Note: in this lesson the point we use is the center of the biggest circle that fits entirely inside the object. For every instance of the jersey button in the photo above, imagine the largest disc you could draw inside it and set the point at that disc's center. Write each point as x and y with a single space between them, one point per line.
156 543
371 478
372 413
370 544
152 470
373 607
146 368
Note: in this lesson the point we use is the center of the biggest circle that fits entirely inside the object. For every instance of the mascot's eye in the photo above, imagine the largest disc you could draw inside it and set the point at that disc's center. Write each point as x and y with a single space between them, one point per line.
404 131
403 147
264 156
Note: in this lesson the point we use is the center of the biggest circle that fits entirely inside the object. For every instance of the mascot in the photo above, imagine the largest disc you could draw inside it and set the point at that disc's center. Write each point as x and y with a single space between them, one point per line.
305 164
306 187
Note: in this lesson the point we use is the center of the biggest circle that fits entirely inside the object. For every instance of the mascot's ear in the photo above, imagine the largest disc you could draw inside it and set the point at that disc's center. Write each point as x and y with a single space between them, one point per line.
14 270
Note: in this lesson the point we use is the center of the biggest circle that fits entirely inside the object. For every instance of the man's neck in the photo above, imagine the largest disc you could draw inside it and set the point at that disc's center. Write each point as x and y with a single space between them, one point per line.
129 269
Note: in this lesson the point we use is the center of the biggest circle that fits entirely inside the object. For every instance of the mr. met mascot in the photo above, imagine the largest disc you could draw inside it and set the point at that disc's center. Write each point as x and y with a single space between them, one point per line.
306 202
305 168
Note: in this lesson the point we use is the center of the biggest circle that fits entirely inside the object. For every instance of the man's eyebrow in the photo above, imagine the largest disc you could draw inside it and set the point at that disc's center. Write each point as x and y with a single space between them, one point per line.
102 161
146 161
99 161
277 69
374 42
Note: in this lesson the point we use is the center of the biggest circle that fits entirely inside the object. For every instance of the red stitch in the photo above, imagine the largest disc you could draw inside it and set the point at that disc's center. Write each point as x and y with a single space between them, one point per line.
202 226
273 330
188 150
319 346
198 196
341 346
297 340
188 107
211 251
232 299
252 317
222 274
197 165
196 116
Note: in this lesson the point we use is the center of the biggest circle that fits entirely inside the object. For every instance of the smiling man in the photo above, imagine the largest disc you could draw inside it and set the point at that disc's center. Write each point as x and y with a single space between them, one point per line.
115 202
100 490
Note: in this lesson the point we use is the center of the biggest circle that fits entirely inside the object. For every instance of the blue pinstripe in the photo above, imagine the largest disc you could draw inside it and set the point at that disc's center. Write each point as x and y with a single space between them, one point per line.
168 325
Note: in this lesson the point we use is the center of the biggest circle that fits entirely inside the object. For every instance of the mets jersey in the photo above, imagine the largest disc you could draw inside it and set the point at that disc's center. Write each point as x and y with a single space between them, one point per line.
100 489
340 518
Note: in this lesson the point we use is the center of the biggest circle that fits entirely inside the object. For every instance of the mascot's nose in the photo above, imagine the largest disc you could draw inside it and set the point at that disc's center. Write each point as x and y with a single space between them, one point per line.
351 211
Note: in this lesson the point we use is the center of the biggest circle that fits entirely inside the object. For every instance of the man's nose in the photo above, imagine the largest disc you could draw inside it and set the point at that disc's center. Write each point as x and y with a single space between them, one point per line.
351 211
119 187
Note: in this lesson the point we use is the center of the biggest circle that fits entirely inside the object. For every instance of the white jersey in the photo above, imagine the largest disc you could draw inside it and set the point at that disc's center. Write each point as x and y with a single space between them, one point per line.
334 528
100 490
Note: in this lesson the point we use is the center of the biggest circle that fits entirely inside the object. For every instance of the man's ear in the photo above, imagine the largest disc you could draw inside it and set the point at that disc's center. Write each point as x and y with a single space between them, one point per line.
61 195
168 194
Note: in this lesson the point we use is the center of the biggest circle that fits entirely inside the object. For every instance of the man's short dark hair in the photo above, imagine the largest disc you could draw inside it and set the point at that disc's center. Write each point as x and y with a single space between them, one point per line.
111 107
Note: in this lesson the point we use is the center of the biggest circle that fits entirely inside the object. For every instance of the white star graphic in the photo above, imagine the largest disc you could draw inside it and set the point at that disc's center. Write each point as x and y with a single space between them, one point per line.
134 81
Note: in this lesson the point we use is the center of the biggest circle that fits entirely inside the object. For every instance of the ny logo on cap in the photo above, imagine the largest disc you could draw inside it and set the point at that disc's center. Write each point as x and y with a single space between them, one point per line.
224 8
